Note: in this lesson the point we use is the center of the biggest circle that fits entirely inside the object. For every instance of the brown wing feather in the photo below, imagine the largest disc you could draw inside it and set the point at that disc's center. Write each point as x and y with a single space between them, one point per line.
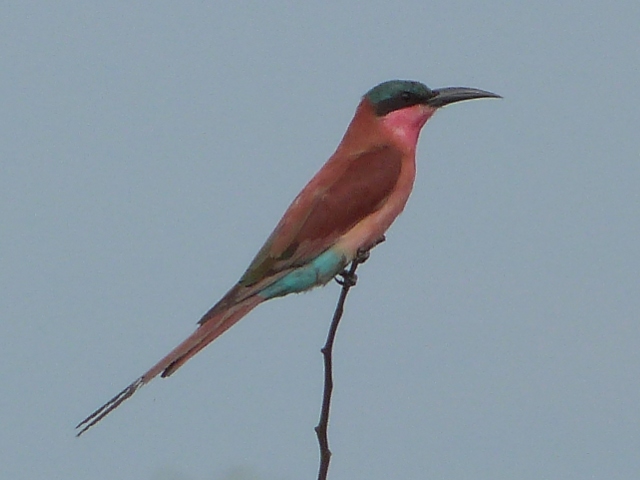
322 213
360 191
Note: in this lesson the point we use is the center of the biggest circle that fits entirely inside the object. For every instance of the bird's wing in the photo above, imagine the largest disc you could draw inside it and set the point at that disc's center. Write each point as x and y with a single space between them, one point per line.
329 206
325 210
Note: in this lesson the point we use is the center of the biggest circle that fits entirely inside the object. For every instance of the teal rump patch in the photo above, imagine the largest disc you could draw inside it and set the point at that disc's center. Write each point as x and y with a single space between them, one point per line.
318 272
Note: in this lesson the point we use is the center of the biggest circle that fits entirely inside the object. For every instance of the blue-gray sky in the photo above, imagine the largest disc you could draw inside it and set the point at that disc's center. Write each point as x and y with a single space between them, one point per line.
148 149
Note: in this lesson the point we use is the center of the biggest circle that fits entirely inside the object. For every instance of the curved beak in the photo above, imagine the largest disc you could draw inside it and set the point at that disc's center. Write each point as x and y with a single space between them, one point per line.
448 95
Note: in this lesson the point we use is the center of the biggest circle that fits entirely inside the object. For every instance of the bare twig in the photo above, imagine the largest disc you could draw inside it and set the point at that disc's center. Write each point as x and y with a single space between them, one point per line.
347 281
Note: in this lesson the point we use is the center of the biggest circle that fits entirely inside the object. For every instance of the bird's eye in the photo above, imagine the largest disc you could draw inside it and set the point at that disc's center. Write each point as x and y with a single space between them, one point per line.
406 96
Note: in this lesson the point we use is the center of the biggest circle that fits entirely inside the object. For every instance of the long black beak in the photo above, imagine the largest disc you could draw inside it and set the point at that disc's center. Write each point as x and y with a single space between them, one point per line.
448 95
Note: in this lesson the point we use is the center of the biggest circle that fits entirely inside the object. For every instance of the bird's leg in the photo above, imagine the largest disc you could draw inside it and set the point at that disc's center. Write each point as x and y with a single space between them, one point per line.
362 255
349 278
346 279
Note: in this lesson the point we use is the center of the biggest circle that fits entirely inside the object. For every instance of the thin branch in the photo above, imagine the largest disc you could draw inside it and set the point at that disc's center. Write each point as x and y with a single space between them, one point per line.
348 280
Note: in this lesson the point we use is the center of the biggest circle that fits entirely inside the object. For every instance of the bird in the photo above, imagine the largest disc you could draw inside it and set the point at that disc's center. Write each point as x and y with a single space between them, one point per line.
345 209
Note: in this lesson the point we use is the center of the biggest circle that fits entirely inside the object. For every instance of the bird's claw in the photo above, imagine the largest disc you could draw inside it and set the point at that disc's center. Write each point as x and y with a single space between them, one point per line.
348 279
363 253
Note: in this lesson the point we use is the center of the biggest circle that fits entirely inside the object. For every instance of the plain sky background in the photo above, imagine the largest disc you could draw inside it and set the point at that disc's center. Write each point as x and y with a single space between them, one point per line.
148 149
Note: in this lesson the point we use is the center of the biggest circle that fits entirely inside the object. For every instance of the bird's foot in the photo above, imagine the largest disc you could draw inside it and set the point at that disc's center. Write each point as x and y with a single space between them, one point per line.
362 255
346 279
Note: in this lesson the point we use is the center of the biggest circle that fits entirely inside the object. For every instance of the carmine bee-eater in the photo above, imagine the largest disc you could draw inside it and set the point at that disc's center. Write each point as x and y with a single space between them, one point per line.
346 207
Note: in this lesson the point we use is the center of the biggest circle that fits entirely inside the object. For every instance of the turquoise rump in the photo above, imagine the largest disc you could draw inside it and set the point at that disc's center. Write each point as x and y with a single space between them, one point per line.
318 272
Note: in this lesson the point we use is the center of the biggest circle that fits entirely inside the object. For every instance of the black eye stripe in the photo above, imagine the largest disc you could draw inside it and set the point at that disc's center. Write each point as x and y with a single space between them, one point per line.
401 100
397 94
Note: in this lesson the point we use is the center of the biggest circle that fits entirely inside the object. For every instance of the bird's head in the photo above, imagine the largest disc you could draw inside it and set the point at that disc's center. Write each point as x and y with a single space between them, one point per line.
405 105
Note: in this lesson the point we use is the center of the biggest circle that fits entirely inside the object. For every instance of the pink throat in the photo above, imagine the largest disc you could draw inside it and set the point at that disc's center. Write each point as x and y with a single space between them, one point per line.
405 124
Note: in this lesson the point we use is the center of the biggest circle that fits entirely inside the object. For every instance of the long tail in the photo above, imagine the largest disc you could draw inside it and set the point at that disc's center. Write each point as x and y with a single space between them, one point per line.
212 325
